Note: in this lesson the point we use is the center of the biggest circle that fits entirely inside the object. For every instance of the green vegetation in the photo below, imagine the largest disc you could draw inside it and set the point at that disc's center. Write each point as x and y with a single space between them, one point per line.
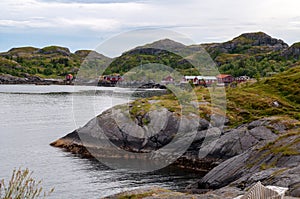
252 66
273 96
22 185
285 145
140 57
249 102
139 108
251 54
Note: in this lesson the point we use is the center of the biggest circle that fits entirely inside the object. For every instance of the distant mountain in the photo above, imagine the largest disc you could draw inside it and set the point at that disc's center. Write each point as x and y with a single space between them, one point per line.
252 54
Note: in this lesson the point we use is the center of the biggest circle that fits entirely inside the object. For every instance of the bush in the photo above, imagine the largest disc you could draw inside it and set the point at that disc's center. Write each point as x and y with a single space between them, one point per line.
21 186
48 71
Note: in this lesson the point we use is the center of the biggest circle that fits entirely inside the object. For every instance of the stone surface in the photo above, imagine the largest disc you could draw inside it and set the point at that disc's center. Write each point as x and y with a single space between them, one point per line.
292 52
271 164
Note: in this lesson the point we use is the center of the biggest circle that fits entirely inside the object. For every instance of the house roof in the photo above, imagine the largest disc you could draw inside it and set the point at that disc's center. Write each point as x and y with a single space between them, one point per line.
201 77
209 78
190 77
169 76
221 76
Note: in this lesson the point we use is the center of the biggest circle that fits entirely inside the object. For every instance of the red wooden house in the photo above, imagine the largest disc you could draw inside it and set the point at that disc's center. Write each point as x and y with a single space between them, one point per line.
112 78
69 77
225 79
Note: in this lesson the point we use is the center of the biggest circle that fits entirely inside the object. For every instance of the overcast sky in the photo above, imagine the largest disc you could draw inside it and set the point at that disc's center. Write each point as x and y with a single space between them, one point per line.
80 24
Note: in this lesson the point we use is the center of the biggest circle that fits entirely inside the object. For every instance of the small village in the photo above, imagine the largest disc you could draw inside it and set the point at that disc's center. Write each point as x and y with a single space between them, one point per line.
206 81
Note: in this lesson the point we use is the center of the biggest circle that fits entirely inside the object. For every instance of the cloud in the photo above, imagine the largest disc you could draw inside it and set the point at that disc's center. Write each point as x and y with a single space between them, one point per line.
92 1
202 21
93 16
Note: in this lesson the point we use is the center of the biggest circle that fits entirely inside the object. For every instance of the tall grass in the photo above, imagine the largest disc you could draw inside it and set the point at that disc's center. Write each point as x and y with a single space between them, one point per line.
22 186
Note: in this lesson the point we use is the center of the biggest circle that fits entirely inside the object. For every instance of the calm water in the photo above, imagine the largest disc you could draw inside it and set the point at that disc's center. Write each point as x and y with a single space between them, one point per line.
31 117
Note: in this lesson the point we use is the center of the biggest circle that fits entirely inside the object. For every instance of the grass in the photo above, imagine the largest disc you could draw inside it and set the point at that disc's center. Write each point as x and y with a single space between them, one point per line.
243 104
139 108
27 49
249 102
21 186
137 196
54 48
284 145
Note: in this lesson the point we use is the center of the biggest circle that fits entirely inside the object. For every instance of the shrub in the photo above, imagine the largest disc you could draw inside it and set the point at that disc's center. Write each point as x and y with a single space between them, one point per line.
22 185
48 71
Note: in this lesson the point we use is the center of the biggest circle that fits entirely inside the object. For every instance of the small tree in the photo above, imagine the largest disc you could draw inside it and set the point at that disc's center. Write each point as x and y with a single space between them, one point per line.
22 185
257 77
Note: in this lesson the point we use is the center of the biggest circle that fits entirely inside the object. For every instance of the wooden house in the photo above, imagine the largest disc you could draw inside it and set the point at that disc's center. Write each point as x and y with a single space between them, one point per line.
168 80
225 79
242 79
200 80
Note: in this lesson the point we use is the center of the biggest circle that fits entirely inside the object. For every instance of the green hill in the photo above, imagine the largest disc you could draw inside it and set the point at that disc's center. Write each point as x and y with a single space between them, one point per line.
251 54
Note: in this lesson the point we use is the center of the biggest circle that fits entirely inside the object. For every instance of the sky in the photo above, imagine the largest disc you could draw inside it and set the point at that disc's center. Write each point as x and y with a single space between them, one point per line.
79 24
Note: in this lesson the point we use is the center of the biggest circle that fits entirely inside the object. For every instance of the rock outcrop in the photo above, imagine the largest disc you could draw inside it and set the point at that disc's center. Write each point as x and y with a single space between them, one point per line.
138 135
55 50
28 79
274 162
251 43
293 52
265 149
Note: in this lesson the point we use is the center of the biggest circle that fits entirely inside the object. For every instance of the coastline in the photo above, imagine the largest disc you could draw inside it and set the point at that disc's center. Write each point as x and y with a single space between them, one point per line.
29 79
35 80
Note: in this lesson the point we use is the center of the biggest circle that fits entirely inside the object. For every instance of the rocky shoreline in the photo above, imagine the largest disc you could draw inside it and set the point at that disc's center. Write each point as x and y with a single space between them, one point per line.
29 79
265 150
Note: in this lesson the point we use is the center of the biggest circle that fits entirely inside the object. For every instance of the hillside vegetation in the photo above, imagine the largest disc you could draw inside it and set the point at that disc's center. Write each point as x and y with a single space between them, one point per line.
277 95
271 96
